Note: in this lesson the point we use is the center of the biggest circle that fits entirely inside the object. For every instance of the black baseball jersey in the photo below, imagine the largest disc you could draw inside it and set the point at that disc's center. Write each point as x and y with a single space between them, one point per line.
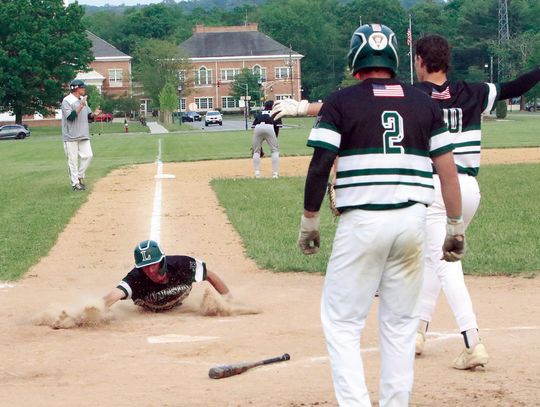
463 104
384 133
182 272
264 117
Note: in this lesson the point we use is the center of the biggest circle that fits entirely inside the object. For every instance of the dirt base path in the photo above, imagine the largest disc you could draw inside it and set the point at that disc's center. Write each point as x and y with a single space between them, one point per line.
119 364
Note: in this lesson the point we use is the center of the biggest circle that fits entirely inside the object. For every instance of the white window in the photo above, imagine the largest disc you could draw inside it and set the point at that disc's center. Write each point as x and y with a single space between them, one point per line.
281 97
203 76
260 72
182 75
204 103
228 102
229 74
183 104
115 78
282 72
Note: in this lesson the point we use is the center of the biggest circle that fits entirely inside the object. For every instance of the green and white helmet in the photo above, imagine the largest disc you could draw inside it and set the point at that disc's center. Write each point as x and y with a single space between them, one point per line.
76 83
148 252
373 46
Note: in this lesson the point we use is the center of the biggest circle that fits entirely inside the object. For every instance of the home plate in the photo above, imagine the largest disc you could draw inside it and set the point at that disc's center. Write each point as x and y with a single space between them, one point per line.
165 176
173 338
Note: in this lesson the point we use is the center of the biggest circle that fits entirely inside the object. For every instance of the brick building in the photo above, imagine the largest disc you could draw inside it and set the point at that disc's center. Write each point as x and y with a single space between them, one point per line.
217 54
110 71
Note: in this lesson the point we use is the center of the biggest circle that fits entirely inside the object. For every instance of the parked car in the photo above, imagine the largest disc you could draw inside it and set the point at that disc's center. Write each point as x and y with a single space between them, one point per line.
103 117
532 107
213 117
15 131
191 117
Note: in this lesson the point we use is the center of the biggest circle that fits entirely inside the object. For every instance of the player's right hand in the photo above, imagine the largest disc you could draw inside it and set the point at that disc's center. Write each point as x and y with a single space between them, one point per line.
289 107
309 239
454 243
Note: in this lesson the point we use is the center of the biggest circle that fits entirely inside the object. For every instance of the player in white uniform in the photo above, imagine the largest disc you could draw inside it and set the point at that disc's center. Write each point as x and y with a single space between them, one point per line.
463 104
266 128
386 135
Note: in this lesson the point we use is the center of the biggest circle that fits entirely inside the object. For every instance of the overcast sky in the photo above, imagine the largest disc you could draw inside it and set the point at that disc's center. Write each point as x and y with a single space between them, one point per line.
114 2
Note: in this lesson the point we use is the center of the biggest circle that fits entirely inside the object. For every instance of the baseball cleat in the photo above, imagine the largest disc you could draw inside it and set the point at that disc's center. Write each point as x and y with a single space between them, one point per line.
275 175
472 358
257 174
81 183
420 342
78 187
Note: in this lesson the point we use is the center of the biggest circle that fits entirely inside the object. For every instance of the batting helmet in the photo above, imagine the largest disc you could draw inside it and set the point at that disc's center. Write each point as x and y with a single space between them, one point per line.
148 252
77 83
373 46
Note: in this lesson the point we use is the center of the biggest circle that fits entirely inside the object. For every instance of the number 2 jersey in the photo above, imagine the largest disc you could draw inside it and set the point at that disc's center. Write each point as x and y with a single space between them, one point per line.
463 104
384 133
182 272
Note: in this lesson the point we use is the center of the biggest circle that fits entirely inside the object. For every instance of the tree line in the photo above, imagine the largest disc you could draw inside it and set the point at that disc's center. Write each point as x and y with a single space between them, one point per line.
321 30
43 44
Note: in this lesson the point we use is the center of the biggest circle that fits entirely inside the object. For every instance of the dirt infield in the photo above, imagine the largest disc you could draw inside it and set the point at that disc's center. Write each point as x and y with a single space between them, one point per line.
143 359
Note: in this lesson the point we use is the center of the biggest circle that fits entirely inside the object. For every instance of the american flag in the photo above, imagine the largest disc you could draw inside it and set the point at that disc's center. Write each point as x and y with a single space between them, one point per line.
445 94
409 36
391 91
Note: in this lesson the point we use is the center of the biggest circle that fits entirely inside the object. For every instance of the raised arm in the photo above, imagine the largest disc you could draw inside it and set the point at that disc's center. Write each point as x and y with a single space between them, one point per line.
520 85
218 283
291 107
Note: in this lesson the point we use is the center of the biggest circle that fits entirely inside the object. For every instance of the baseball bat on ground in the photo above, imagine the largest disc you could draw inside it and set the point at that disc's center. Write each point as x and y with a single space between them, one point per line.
219 372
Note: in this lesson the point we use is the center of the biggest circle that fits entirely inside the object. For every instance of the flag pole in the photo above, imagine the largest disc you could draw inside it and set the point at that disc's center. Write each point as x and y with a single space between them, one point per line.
409 40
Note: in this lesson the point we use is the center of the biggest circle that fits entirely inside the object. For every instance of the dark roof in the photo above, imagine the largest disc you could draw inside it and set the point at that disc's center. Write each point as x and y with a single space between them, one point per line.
102 49
236 43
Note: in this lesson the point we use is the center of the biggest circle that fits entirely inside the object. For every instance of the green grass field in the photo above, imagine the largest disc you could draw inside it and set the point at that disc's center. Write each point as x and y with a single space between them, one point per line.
36 201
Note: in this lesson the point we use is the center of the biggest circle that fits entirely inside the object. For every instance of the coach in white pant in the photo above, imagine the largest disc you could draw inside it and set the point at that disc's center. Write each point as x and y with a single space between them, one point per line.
76 133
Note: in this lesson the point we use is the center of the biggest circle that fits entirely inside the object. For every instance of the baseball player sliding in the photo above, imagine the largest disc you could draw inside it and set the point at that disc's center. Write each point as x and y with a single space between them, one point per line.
386 135
159 282
462 104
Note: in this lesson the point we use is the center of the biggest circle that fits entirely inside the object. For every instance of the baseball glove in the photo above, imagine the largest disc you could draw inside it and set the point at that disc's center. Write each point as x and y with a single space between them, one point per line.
331 191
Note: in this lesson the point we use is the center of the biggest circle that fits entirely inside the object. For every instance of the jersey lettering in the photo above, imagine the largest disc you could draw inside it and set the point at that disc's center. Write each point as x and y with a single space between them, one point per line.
393 136
453 117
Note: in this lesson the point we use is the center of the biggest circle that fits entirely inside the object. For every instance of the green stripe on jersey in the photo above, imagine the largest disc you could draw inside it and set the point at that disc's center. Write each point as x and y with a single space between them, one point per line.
322 144
379 207
327 126
384 171
471 127
467 152
467 144
472 171
367 184
442 150
439 131
363 151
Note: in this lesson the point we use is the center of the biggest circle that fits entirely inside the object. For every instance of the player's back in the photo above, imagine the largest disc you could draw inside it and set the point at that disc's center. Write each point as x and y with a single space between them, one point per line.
463 104
384 132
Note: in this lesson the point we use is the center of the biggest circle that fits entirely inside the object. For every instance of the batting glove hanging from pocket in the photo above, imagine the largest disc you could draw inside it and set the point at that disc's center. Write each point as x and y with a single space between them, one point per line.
454 243
309 239
331 192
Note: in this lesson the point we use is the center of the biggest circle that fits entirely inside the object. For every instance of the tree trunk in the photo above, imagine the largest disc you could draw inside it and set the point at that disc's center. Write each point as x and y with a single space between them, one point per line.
18 115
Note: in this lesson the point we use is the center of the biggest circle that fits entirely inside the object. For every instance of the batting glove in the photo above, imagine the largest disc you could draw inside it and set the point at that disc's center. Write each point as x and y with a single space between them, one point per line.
309 239
454 243
289 107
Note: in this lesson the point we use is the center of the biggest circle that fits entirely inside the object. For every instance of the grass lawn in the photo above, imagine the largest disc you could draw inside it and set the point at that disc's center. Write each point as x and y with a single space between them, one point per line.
36 200
502 239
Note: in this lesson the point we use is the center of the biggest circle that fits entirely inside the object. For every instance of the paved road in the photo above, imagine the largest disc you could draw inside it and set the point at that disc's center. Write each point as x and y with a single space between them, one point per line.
228 124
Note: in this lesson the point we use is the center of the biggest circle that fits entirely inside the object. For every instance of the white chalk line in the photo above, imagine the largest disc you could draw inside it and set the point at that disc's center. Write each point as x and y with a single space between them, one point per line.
3 286
174 338
155 222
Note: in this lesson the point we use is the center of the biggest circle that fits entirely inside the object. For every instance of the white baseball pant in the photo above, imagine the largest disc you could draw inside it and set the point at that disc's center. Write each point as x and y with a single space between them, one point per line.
266 132
79 154
439 273
374 250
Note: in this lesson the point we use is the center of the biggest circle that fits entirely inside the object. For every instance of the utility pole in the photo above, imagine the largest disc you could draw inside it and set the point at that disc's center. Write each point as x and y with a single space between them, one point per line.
503 39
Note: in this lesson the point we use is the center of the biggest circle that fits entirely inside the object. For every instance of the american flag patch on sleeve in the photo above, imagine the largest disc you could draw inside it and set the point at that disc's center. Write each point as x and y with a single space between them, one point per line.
389 91
445 94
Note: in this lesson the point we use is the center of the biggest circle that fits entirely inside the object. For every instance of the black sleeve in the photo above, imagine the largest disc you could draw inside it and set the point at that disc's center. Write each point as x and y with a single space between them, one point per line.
256 121
317 178
520 85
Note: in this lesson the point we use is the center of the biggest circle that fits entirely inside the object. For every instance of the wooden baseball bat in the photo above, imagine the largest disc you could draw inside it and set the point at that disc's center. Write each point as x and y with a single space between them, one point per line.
219 372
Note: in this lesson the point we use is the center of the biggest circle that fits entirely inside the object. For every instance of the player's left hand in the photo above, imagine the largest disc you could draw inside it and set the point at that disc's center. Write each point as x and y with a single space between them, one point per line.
454 243
309 239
